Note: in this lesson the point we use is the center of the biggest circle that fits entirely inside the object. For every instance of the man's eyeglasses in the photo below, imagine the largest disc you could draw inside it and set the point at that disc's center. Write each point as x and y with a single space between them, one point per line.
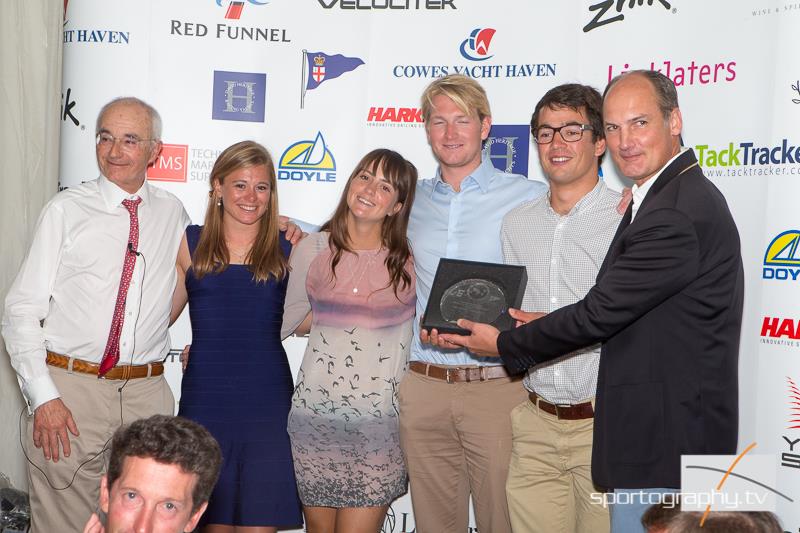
571 133
130 144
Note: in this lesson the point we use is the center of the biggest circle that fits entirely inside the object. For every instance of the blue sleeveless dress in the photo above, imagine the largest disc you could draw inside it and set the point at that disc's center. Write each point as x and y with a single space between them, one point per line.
239 386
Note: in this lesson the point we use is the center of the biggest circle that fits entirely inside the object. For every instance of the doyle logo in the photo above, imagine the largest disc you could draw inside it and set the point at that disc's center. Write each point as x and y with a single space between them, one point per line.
507 147
387 4
782 258
171 163
476 46
604 14
308 161
234 9
239 96
397 117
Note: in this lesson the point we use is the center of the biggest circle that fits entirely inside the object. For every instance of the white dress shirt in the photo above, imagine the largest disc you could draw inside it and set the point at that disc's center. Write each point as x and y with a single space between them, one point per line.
64 295
638 193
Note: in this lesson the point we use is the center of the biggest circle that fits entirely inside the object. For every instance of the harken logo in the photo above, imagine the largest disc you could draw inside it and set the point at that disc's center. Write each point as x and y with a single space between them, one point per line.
476 46
235 8
239 96
308 160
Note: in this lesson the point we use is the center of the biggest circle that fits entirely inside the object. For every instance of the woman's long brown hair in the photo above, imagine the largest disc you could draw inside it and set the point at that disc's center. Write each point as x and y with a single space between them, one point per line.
403 176
265 259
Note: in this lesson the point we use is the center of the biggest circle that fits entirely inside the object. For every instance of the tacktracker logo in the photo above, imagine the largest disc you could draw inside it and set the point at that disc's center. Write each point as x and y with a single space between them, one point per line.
308 161
507 147
234 9
347 5
749 159
475 48
603 13
171 163
239 96
395 117
782 258
682 73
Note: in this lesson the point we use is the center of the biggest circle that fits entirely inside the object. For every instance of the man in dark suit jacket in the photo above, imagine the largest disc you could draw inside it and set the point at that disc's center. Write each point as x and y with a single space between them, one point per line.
667 306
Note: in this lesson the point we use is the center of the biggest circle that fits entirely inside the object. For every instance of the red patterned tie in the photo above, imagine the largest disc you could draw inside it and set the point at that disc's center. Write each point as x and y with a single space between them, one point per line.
111 354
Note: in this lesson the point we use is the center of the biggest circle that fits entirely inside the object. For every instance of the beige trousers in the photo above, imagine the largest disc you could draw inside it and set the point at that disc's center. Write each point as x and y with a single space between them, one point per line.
99 408
550 479
456 439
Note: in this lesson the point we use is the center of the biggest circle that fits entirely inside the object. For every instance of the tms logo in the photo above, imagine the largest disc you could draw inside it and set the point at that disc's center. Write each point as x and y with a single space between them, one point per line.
234 10
308 161
782 259
396 117
476 46
171 163
239 96
605 6
507 147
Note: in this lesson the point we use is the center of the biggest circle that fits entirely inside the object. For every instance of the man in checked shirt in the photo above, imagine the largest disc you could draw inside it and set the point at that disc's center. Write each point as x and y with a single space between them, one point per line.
561 239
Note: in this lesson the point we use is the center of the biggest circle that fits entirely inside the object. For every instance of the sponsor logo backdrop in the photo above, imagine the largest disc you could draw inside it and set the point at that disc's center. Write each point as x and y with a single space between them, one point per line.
320 82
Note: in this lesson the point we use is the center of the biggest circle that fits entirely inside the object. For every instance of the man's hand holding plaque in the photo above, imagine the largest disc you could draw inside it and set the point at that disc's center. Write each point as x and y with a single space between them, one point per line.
472 293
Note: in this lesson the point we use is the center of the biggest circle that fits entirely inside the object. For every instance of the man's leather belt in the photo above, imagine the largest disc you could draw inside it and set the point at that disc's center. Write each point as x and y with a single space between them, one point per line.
120 372
564 412
458 374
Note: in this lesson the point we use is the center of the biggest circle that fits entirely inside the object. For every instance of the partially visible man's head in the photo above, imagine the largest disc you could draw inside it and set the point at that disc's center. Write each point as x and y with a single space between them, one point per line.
576 150
642 123
670 519
128 141
457 120
160 475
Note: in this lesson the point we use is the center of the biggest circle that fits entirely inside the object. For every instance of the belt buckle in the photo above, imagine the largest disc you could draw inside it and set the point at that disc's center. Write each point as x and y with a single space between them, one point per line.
482 373
447 375
559 407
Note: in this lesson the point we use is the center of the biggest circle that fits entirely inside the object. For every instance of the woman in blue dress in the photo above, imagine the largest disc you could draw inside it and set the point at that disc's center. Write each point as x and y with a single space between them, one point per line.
238 383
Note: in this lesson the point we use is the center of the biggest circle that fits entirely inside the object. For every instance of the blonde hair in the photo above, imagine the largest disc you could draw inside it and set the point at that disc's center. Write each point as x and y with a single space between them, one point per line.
265 259
465 92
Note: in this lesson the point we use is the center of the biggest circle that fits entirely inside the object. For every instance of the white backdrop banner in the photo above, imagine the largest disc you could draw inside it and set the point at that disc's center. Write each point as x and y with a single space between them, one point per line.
321 82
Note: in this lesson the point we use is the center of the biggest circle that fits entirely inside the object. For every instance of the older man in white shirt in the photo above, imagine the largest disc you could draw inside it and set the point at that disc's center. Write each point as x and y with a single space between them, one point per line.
92 300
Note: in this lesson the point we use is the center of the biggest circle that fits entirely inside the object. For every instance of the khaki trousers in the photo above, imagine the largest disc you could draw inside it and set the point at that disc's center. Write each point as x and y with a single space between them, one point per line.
98 408
550 479
456 439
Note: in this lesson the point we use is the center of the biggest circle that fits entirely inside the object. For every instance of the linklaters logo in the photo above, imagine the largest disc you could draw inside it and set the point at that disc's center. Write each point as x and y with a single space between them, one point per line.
308 161
604 12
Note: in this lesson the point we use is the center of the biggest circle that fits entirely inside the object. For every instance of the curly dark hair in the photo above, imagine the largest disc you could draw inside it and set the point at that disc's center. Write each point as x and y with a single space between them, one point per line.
169 440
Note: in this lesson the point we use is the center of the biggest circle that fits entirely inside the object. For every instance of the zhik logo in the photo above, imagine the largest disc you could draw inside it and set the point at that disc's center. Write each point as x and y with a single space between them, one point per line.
605 6
239 96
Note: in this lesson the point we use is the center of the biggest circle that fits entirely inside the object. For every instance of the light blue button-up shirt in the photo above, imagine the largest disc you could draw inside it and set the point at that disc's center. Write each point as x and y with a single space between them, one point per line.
460 225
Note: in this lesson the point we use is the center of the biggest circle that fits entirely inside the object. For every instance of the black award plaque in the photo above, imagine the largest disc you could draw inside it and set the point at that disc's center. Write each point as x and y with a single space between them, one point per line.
480 292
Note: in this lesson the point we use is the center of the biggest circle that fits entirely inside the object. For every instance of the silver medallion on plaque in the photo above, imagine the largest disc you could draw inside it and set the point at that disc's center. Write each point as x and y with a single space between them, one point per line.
478 300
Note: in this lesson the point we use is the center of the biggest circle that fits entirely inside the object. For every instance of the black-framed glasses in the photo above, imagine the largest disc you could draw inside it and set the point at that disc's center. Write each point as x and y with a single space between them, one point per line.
571 133
130 144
